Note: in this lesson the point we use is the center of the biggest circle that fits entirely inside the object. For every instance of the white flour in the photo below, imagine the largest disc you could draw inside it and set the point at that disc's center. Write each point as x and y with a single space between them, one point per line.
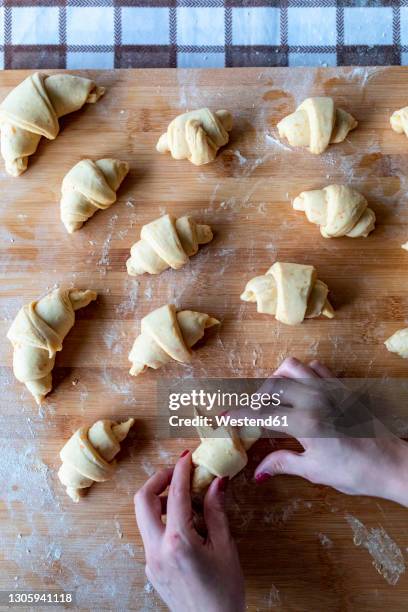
43 526
324 540
387 557
105 260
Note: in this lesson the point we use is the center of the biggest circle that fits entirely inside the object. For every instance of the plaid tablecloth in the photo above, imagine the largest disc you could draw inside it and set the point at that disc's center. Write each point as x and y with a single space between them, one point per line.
201 33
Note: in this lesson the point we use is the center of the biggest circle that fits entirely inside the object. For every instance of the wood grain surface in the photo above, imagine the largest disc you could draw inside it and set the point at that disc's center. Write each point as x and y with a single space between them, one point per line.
295 538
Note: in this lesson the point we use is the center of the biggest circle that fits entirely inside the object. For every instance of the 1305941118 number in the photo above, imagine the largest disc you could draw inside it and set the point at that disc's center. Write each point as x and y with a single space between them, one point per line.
40 598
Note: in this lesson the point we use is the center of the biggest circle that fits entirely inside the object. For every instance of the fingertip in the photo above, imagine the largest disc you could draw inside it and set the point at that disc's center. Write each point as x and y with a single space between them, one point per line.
290 362
320 369
287 365
222 484
264 465
183 461
259 471
217 487
213 488
139 497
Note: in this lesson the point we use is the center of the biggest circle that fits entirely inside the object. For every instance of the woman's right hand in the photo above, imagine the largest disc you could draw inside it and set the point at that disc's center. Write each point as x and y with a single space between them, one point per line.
375 466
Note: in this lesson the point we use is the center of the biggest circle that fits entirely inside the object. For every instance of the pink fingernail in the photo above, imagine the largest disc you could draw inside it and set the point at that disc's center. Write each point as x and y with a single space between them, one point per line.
262 477
184 453
223 483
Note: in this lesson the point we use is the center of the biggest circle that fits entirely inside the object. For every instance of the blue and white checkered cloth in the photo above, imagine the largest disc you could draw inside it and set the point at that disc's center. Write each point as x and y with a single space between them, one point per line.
201 33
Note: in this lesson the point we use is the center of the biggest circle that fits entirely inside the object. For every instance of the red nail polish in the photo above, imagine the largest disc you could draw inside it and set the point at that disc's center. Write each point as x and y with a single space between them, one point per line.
223 483
262 477
184 453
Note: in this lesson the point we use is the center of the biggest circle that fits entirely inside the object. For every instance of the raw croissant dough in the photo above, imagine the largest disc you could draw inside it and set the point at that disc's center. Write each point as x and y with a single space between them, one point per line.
166 243
88 455
196 135
32 110
398 343
221 455
289 291
316 123
338 209
399 121
165 335
88 186
37 334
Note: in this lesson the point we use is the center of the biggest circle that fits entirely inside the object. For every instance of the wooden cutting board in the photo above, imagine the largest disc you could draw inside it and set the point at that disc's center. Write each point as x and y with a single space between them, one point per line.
295 538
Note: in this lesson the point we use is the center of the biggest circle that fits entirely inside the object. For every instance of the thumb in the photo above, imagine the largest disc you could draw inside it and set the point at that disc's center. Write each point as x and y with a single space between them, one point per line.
281 462
215 516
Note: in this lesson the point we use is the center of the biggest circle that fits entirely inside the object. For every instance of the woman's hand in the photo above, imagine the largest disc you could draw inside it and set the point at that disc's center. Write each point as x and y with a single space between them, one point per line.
190 573
375 466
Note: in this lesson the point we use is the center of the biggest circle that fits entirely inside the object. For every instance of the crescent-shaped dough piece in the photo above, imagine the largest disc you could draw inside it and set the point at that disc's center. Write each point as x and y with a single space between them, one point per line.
166 243
37 333
222 453
399 121
166 335
32 110
88 455
196 135
338 209
398 343
291 292
89 186
316 123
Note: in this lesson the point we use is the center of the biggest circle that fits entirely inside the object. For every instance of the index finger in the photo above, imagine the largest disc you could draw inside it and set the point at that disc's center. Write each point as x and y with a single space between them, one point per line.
275 393
286 409
148 507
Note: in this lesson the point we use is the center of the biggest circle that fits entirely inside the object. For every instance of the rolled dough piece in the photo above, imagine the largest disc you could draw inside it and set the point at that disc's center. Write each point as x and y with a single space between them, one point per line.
399 121
222 453
338 209
291 292
166 243
316 123
404 246
196 135
32 110
88 455
90 186
398 343
166 335
37 333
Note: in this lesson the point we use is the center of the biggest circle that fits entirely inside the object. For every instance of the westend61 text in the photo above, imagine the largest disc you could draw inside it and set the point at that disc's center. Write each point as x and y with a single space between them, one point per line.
228 421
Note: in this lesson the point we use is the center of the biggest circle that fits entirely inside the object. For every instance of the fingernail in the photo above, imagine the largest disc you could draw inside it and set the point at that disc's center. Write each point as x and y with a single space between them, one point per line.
184 453
262 477
223 483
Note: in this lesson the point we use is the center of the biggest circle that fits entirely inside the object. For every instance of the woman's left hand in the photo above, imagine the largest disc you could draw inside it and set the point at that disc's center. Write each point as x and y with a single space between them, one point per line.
190 573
